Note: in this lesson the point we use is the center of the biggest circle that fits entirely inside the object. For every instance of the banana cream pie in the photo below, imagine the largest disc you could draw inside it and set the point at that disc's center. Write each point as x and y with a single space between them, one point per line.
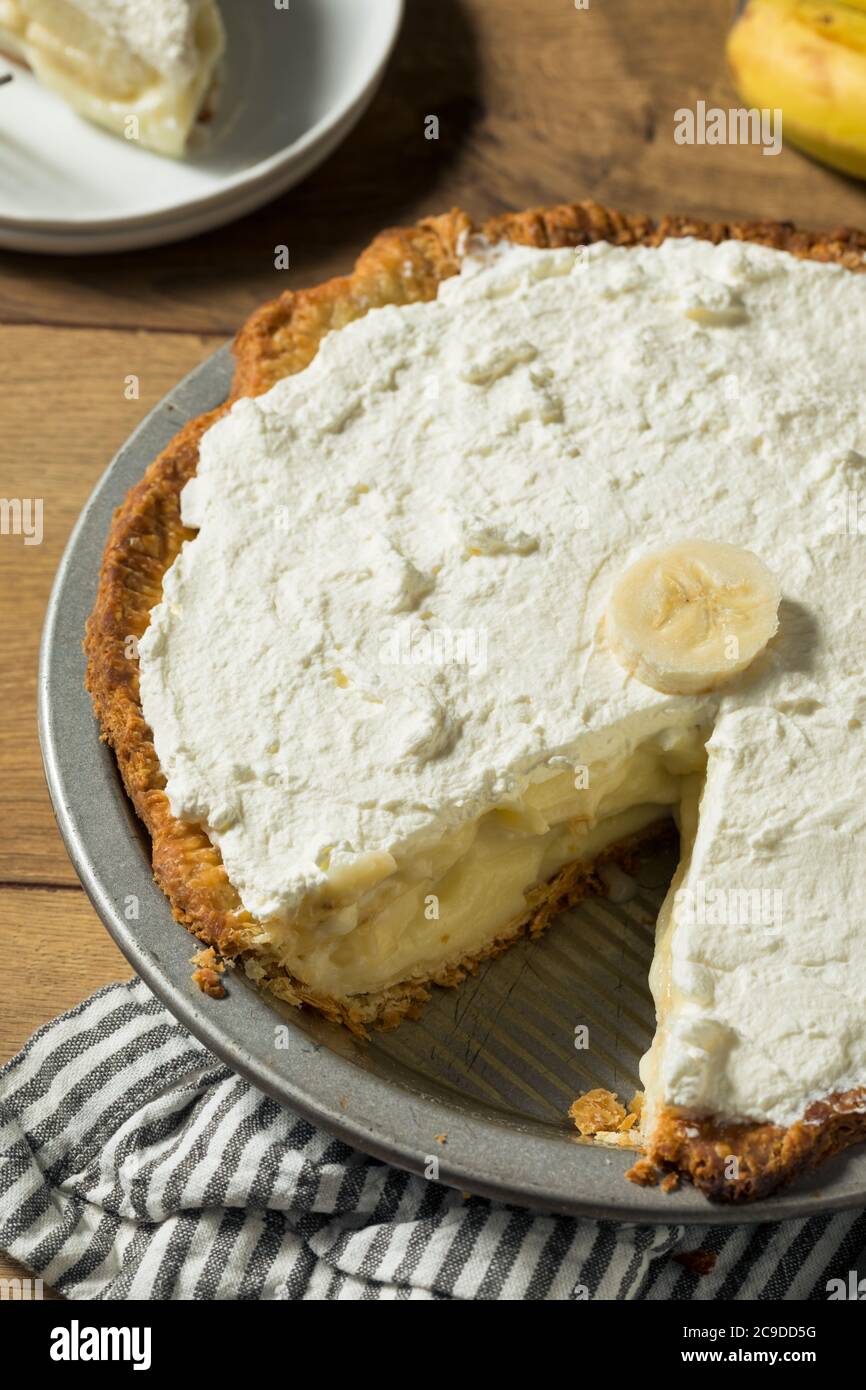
549 544
144 69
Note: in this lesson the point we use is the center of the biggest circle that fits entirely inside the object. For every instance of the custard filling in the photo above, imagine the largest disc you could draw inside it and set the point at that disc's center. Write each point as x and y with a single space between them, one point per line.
434 909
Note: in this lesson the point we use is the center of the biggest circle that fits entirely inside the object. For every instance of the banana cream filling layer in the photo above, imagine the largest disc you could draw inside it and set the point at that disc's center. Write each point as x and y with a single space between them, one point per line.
142 69
454 900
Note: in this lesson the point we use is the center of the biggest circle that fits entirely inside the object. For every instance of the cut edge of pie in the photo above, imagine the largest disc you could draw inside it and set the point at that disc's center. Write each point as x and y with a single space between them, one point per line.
402 266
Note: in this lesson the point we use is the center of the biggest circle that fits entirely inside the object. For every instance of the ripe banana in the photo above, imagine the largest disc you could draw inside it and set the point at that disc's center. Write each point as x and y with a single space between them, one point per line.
686 619
807 58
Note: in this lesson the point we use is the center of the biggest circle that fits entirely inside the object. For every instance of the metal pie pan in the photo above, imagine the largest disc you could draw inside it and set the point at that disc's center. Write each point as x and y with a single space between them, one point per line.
481 1083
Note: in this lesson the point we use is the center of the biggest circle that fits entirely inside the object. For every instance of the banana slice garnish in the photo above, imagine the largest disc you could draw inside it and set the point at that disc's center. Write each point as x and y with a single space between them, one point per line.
687 619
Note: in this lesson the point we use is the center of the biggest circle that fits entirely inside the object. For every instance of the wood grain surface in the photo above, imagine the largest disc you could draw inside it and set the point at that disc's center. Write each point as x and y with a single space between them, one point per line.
537 102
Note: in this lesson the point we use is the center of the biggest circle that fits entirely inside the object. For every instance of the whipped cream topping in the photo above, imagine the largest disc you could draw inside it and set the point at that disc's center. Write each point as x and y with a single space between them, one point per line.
389 621
768 963
159 31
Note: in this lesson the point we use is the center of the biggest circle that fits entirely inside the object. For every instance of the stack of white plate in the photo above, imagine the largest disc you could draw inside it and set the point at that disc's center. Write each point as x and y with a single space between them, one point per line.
295 82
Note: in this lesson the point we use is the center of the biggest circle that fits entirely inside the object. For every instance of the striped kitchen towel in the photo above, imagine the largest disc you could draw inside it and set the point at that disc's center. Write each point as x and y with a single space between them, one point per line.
133 1165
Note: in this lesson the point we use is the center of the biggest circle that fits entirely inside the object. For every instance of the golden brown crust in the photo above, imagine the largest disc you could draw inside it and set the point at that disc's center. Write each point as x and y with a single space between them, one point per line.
208 968
742 1162
700 1262
596 1111
401 266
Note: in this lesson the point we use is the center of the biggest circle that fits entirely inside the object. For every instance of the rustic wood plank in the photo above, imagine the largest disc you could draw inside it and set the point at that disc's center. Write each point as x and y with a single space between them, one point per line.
56 953
64 415
538 102
10 1269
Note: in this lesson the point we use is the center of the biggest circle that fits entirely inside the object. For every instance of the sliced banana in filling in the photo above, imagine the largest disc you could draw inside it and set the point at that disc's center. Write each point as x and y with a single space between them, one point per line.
689 618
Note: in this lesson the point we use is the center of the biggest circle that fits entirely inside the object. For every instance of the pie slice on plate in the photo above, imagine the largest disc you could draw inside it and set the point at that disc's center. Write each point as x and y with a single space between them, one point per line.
509 548
144 69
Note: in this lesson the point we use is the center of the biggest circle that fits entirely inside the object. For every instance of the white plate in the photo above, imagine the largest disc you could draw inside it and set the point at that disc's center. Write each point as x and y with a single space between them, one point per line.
135 234
295 82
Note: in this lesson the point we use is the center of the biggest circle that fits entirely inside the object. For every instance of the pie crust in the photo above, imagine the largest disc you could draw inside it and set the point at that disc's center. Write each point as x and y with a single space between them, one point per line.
401 266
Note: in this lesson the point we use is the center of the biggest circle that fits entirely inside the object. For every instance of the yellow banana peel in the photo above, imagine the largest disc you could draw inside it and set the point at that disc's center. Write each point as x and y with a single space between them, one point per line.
807 58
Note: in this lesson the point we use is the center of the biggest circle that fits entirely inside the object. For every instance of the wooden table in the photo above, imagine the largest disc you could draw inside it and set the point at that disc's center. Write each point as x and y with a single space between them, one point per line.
538 102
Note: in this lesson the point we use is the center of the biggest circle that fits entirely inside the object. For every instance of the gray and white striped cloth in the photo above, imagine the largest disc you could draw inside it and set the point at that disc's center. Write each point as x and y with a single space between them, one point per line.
133 1165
